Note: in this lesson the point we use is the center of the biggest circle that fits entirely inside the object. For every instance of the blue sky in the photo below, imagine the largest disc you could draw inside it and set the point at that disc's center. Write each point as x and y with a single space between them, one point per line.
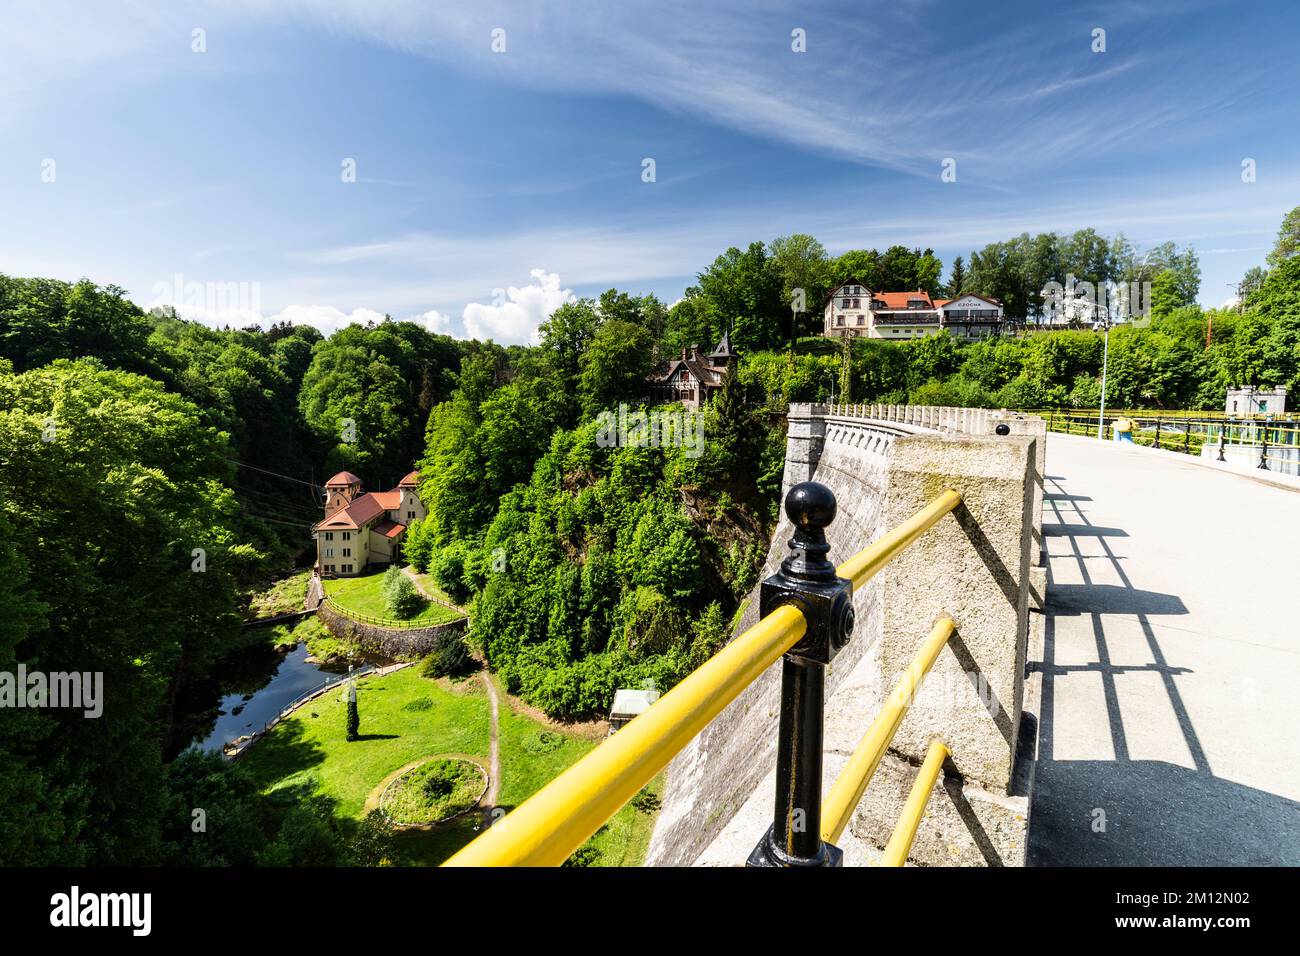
491 186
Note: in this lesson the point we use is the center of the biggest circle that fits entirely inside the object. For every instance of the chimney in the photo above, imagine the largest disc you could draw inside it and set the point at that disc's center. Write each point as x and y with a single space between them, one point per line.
683 353
695 350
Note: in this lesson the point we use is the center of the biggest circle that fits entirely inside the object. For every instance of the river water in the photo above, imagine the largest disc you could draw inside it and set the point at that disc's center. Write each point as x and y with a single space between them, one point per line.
244 713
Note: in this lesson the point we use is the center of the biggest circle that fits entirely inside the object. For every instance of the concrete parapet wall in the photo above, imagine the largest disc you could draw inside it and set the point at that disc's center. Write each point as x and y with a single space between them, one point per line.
972 566
884 463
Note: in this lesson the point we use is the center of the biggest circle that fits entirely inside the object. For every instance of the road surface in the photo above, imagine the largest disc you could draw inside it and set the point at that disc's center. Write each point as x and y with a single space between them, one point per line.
1170 723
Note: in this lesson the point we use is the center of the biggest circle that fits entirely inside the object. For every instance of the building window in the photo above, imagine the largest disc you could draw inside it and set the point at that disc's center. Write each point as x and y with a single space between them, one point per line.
329 568
329 535
410 516
1263 406
329 552
347 552
347 535
844 303
860 320
839 320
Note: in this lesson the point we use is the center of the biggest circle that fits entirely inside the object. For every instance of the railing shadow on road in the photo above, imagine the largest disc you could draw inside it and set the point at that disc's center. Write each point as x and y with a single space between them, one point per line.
1127 811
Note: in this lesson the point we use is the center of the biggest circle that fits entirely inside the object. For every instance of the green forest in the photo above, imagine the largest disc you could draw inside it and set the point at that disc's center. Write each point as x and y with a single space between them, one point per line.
157 471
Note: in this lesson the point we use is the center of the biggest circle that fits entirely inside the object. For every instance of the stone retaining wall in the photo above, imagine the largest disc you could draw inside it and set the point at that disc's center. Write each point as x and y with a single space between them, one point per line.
385 641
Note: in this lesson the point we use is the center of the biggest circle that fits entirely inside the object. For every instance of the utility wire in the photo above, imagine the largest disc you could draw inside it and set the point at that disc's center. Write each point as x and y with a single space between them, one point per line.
273 473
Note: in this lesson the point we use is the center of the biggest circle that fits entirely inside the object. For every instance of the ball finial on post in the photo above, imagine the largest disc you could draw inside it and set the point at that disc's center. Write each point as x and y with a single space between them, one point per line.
811 508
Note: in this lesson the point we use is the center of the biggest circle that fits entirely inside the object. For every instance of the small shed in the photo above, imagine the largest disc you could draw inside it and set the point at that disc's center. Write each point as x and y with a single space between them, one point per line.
627 704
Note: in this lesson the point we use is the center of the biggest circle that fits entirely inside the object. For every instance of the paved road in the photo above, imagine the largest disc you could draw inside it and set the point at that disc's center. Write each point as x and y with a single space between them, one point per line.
1170 724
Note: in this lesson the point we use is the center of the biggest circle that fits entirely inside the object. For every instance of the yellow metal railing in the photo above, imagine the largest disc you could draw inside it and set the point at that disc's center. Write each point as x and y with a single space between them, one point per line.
866 563
852 782
547 827
900 842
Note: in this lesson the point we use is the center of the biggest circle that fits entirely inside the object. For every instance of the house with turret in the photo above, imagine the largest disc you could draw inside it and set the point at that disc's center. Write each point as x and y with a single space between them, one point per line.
694 377
361 529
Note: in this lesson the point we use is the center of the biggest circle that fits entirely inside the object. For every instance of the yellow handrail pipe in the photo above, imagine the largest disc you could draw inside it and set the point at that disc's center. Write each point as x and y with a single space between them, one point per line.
866 563
900 841
839 804
546 828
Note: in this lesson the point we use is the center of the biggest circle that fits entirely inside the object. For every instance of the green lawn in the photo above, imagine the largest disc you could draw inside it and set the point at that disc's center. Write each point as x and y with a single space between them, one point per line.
310 752
363 595
406 717
431 587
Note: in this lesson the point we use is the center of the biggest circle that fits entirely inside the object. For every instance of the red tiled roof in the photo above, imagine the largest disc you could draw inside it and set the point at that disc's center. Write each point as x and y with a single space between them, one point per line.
899 300
389 529
343 478
362 510
412 478
388 500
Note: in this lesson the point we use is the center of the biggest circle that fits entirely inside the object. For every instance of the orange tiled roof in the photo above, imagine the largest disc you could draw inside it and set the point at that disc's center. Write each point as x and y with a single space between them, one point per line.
411 478
899 300
388 500
389 529
361 511
343 478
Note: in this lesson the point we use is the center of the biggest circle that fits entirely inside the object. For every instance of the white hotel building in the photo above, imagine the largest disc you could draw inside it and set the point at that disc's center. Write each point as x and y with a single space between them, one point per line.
854 309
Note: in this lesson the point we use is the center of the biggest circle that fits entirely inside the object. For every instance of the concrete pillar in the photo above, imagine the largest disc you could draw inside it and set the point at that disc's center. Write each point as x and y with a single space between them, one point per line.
805 437
973 566
1035 427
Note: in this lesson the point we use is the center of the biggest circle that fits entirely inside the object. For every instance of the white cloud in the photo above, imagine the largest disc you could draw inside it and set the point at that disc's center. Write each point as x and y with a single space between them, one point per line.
516 313
435 321
325 317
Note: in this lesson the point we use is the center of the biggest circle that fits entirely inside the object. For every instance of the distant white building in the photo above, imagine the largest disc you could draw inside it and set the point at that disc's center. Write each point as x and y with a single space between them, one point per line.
853 309
1255 401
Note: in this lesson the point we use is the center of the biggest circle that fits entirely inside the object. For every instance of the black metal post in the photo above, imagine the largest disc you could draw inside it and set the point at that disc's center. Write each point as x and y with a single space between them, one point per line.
1157 442
1263 450
1223 435
808 581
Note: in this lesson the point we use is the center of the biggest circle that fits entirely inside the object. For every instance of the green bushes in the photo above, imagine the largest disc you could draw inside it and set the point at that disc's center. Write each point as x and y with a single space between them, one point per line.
400 596
448 567
449 658
418 545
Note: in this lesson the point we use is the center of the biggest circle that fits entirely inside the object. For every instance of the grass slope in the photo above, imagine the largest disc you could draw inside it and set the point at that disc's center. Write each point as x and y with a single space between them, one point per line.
406 717
364 595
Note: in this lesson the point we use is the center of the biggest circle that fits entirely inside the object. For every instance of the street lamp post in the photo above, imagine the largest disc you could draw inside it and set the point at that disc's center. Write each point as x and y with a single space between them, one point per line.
1105 363
1105 353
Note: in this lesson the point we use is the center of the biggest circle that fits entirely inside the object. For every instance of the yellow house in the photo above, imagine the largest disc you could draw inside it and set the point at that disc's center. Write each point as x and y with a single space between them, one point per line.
361 529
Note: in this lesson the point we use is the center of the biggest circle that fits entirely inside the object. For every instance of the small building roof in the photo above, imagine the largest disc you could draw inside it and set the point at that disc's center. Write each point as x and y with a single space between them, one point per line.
410 481
629 702
389 529
343 478
723 348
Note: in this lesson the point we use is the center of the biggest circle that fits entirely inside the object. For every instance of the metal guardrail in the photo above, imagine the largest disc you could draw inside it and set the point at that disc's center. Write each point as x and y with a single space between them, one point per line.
806 618
1190 435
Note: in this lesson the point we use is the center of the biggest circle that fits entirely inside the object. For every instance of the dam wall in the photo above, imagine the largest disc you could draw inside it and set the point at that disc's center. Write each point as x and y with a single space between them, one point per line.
883 463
